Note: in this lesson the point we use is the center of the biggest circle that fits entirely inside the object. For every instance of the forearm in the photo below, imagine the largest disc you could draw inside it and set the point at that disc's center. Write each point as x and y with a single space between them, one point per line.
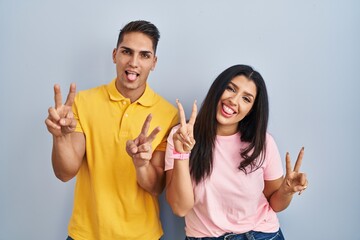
65 160
280 200
179 191
150 178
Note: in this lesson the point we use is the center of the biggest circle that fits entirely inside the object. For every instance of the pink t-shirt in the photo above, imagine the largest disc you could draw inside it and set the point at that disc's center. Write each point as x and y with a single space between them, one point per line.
229 200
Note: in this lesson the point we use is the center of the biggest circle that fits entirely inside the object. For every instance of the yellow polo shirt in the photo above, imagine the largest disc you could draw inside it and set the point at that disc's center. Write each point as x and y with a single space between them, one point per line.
108 203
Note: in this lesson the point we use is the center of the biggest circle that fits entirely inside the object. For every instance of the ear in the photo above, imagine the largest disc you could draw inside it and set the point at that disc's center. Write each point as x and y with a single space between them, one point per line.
114 55
154 64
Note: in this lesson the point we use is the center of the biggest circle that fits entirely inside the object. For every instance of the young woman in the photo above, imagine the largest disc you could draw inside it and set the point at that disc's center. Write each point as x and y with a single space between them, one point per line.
223 170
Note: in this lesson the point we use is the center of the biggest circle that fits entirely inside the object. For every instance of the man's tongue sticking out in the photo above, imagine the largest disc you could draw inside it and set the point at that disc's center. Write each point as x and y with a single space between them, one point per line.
131 76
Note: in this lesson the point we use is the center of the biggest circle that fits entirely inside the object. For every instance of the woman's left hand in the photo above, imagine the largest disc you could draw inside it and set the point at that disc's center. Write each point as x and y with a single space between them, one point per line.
295 181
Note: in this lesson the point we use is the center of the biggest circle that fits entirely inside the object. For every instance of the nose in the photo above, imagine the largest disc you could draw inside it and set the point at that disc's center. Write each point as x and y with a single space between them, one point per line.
234 99
133 62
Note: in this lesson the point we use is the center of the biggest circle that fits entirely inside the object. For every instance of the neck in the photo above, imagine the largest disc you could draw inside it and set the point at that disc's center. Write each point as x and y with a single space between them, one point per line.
226 131
132 94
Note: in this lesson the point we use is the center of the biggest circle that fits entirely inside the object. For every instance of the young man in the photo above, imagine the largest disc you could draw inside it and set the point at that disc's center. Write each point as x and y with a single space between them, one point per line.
102 136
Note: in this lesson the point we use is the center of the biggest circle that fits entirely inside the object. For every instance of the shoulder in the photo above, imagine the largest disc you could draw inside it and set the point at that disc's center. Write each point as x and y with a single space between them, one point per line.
273 165
270 141
272 150
161 100
91 93
163 105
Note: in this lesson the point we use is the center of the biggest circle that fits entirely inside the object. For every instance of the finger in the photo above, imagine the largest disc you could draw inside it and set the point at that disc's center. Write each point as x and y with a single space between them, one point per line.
73 122
299 160
306 184
153 134
288 182
181 113
144 148
57 96
71 96
51 124
288 164
185 135
188 147
69 114
183 132
301 189
193 114
131 147
145 156
136 141
53 114
146 125
66 122
302 179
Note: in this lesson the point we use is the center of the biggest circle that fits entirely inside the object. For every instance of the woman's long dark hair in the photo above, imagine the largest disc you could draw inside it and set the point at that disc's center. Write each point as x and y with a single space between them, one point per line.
252 128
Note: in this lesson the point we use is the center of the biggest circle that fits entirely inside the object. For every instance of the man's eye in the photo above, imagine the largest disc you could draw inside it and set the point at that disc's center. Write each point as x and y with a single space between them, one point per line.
126 52
145 55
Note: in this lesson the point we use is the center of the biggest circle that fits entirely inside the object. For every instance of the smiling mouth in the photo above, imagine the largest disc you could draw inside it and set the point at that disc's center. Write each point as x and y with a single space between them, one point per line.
227 110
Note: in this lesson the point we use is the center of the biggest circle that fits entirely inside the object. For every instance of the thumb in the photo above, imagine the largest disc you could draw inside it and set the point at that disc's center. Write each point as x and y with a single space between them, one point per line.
65 122
131 147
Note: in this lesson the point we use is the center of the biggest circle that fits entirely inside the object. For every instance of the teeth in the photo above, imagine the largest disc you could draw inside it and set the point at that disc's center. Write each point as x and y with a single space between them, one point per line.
227 110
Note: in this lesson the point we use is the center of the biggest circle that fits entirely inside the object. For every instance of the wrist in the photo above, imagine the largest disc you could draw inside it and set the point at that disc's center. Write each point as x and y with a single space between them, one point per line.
180 156
285 191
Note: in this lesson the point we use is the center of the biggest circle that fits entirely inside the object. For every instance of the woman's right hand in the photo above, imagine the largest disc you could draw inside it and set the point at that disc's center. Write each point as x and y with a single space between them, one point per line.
184 137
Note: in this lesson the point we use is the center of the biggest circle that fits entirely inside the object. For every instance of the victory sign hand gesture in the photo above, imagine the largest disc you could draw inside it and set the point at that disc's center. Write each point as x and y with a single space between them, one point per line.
140 148
60 120
295 181
184 137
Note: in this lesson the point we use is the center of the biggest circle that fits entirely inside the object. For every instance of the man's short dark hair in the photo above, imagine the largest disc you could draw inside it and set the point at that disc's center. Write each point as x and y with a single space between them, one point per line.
141 26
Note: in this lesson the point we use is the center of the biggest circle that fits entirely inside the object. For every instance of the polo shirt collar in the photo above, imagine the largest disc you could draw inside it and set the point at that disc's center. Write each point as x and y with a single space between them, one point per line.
147 99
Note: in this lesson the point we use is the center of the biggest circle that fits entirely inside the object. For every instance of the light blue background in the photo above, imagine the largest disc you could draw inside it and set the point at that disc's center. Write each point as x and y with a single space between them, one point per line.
307 51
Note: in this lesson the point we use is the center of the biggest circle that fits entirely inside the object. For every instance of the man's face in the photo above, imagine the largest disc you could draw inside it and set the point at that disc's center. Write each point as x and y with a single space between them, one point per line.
134 59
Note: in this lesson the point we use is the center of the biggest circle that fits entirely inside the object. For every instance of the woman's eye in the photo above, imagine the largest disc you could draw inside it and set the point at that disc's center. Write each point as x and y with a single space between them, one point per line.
230 89
246 99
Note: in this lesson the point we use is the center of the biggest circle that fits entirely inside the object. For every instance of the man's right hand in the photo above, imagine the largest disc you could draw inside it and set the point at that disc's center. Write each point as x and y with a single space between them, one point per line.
60 120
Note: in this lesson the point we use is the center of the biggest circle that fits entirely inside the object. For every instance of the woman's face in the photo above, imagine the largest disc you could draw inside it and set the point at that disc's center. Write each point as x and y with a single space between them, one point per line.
234 104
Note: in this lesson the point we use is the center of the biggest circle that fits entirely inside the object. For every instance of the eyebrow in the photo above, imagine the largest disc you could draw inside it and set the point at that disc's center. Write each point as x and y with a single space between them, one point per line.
142 51
237 88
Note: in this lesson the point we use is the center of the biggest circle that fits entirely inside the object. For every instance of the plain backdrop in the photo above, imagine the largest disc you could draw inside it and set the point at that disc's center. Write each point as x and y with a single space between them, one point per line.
307 51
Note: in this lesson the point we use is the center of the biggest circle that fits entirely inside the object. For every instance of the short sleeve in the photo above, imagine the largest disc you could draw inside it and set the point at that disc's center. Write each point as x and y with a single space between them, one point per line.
169 160
162 146
273 166
78 127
